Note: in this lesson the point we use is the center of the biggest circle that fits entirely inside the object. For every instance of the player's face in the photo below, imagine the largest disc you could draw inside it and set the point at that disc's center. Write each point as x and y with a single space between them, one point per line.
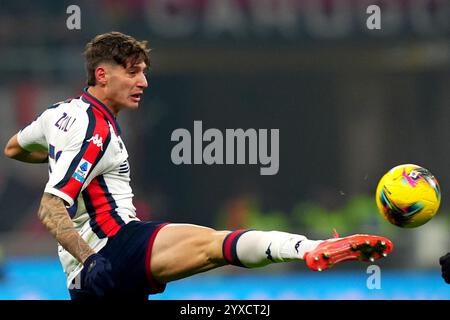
125 86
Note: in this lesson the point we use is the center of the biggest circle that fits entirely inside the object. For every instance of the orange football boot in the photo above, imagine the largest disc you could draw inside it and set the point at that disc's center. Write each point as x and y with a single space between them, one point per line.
361 247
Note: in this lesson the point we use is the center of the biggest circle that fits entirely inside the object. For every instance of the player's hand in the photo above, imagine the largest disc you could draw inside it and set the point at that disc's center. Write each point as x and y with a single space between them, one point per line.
445 263
96 275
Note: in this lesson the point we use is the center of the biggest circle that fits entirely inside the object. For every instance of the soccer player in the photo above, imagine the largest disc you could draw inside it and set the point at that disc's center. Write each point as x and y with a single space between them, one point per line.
105 250
444 261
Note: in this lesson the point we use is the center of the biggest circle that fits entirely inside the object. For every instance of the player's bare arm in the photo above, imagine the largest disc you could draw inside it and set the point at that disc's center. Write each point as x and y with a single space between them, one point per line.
13 150
54 216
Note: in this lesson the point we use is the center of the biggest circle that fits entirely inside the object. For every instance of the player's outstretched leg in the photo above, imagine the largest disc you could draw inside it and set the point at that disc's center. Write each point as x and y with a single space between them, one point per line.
258 248
182 250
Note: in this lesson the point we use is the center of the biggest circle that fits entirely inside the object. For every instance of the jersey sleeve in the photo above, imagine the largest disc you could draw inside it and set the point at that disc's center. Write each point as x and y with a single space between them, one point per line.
74 159
32 137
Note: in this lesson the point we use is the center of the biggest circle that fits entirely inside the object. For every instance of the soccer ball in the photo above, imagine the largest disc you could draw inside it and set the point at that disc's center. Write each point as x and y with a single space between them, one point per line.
408 196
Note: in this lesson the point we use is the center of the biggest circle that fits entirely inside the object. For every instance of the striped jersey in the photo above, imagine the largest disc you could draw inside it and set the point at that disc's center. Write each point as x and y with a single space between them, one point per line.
88 168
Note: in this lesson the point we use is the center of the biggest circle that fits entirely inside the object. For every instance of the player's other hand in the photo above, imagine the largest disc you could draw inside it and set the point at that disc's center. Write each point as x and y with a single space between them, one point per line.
445 263
96 275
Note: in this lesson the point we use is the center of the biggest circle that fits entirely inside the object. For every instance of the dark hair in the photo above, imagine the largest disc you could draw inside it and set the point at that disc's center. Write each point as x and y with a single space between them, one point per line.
114 47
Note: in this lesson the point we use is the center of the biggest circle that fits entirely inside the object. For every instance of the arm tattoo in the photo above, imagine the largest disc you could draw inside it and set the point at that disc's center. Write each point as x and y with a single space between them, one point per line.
54 216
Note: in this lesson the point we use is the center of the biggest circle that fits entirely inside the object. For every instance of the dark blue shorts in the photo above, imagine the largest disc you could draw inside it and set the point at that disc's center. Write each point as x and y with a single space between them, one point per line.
129 252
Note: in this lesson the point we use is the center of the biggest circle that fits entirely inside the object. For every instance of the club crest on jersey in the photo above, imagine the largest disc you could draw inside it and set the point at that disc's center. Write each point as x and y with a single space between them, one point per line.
97 140
82 170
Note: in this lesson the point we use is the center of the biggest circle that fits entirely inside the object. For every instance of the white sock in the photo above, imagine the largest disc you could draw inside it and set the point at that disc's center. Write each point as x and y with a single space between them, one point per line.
260 248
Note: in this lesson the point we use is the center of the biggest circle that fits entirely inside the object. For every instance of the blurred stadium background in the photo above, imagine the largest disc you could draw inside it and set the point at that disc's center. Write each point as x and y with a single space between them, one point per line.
350 104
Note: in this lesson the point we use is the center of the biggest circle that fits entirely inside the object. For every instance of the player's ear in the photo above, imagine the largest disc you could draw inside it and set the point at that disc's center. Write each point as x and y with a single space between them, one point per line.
100 75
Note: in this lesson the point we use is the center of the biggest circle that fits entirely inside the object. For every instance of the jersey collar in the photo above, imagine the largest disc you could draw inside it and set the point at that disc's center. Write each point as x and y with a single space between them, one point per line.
90 99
